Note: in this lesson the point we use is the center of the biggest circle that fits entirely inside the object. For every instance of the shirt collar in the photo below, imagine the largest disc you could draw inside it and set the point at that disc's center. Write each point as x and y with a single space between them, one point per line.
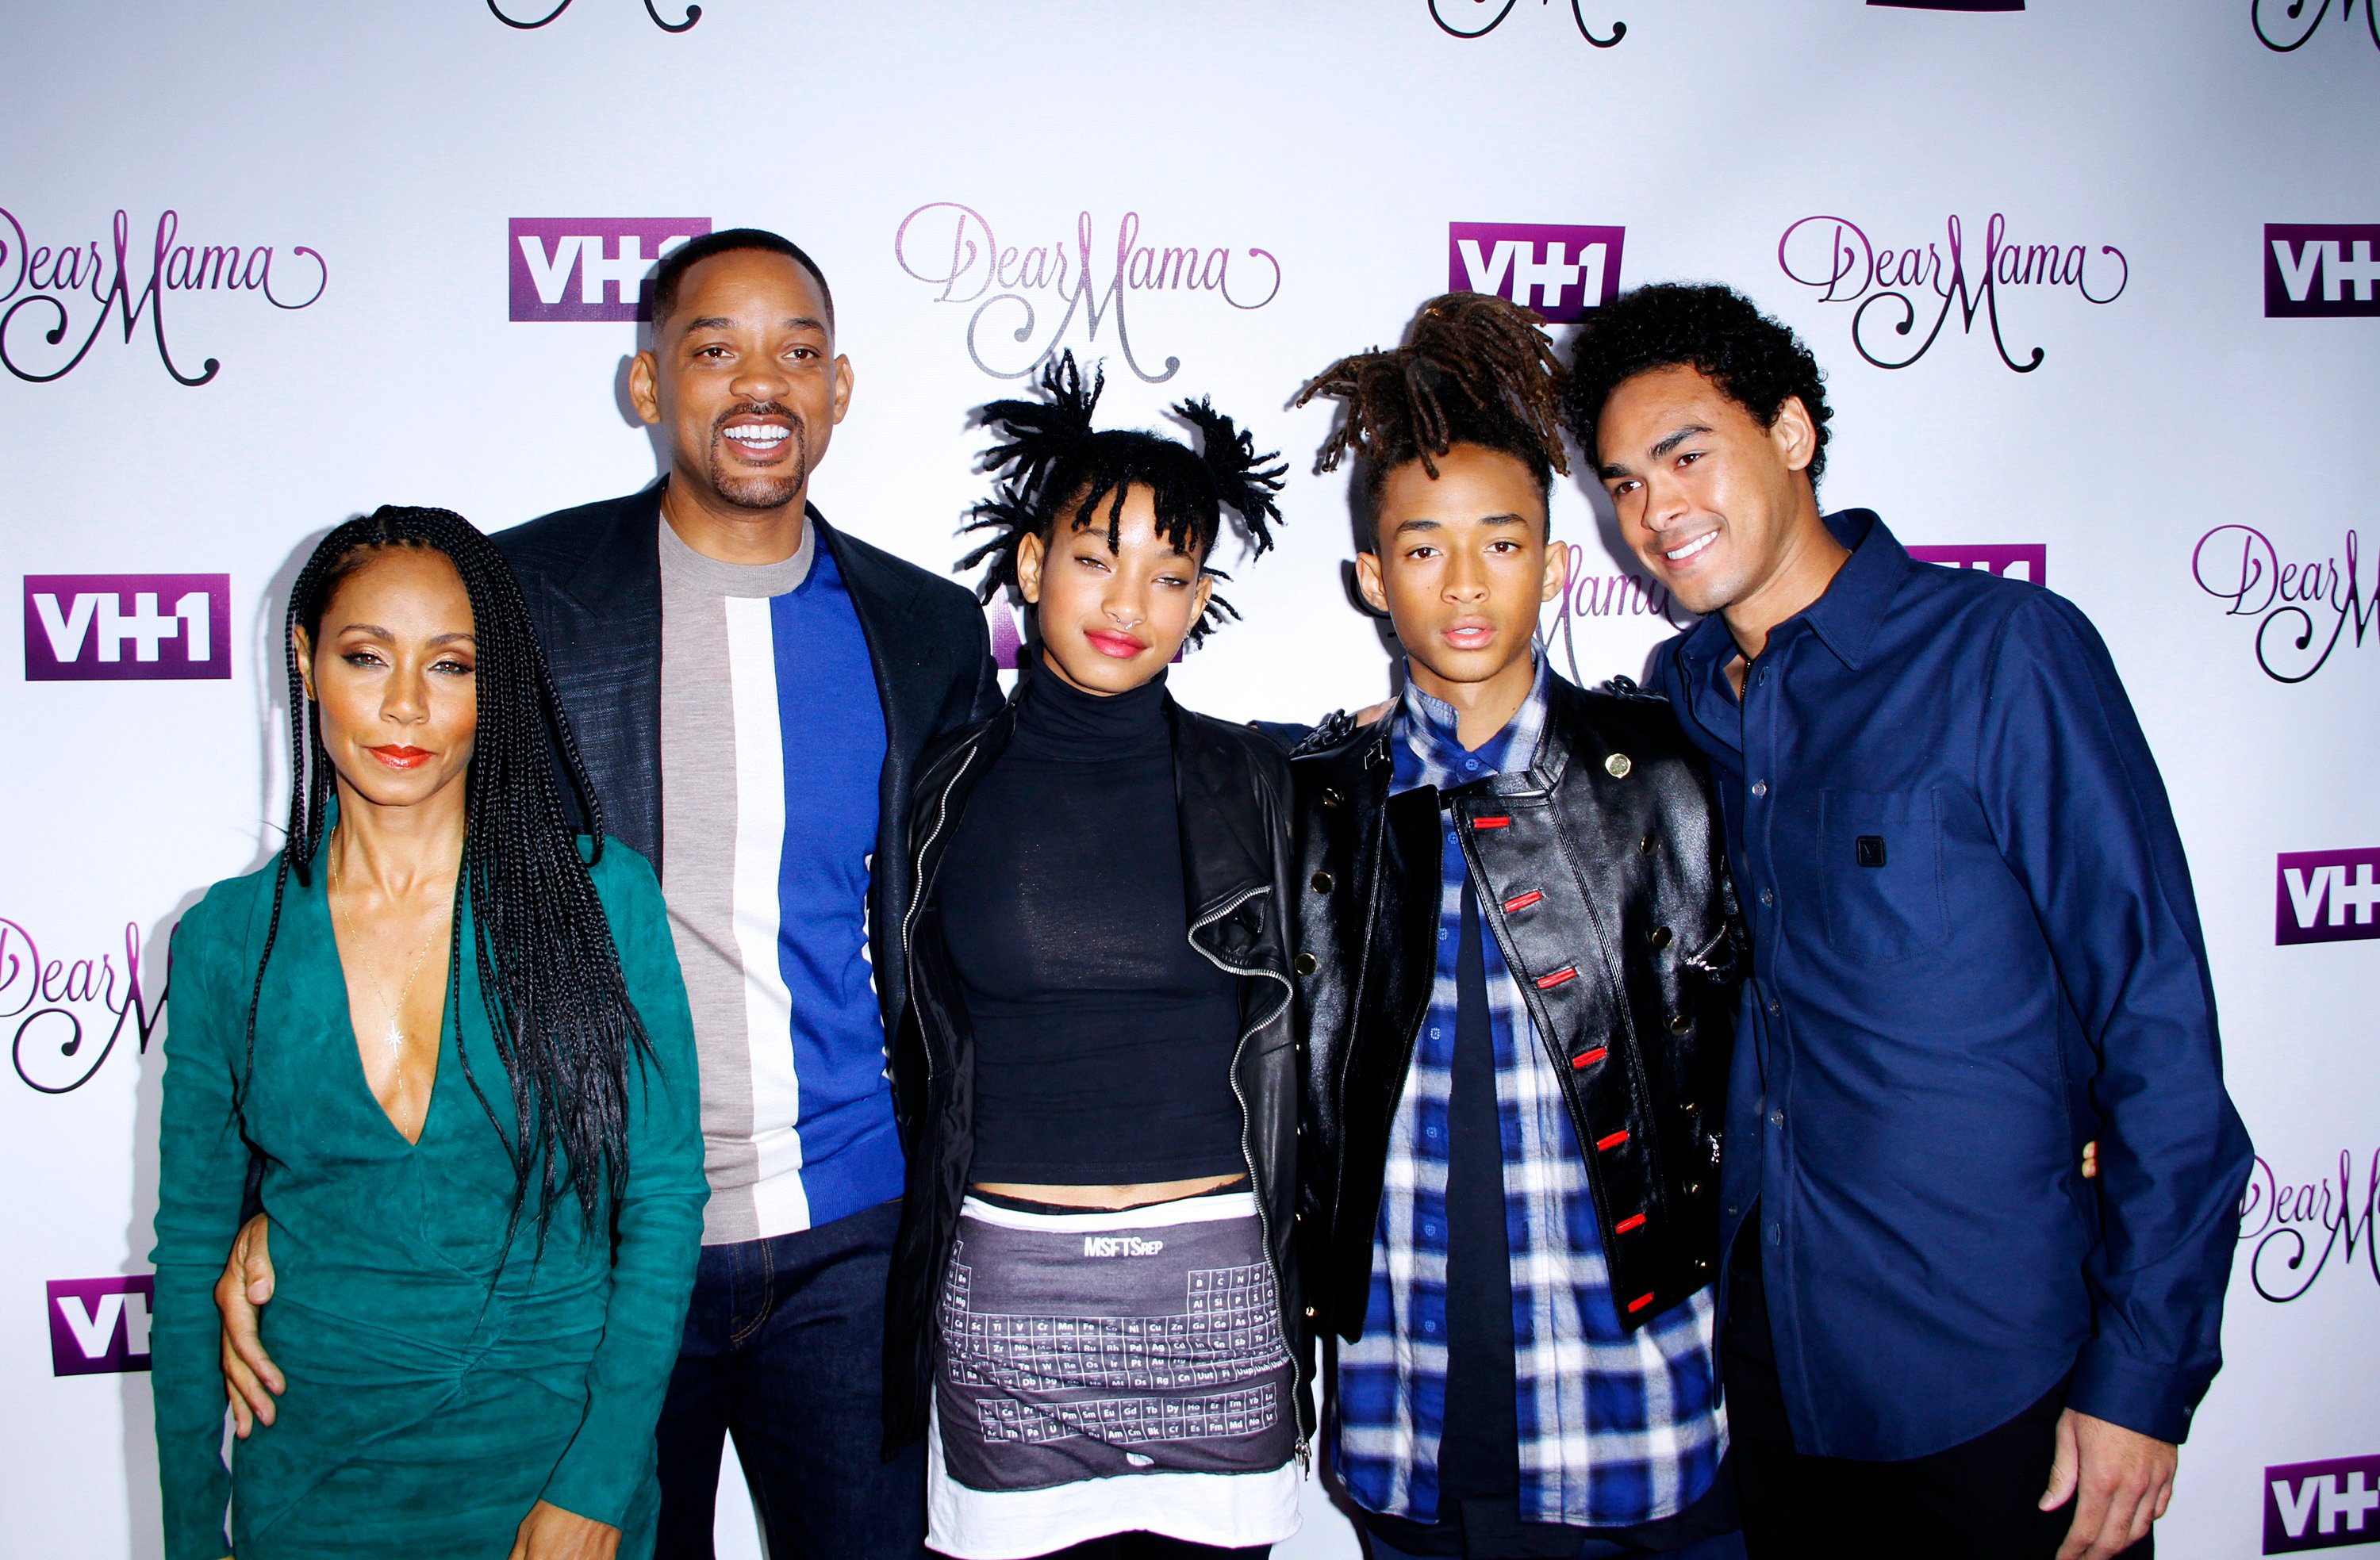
1847 614
1426 748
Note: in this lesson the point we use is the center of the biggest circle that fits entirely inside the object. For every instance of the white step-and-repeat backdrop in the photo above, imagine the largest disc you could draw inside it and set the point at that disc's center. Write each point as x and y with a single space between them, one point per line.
2095 286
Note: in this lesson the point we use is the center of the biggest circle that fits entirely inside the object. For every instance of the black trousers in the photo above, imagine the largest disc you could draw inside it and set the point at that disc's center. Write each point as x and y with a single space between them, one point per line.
1153 1546
1976 1501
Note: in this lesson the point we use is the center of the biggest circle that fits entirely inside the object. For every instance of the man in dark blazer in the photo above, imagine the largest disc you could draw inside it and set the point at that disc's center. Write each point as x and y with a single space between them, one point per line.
751 689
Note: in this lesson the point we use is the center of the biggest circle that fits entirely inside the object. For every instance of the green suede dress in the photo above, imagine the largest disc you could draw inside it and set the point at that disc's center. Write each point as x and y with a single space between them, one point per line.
440 1384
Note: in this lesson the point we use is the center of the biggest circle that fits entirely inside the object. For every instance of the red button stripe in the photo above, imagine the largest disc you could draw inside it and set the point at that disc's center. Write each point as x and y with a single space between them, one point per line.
1491 823
1591 1057
1634 1221
1567 973
1522 902
1614 1141
1639 1303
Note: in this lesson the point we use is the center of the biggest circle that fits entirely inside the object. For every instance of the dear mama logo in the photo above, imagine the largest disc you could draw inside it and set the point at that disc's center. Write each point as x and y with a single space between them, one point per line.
1891 287
2286 26
60 296
1025 302
530 24
1479 17
2304 604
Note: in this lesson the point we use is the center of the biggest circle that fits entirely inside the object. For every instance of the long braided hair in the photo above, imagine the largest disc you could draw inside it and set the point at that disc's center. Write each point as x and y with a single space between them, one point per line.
549 971
1475 369
1050 463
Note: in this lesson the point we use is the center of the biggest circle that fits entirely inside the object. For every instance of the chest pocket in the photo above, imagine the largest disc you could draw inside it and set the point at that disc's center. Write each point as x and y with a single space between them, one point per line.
1881 874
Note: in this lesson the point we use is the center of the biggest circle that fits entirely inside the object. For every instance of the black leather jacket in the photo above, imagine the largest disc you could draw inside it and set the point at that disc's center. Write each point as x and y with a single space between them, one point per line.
1232 785
1601 873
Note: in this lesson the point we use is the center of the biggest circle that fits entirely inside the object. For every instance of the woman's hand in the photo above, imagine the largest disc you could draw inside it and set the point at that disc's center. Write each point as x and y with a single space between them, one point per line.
250 1378
548 1533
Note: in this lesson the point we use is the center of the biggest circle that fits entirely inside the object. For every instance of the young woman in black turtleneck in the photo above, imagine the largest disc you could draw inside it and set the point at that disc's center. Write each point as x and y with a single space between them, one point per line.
1094 1315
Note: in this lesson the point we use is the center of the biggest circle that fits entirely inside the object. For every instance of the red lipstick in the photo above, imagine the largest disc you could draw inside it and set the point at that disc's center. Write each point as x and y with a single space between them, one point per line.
397 756
1113 642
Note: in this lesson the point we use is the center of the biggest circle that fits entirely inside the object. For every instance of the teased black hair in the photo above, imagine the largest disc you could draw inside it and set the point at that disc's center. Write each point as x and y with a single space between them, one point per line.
1051 462
1475 369
548 967
687 256
1756 361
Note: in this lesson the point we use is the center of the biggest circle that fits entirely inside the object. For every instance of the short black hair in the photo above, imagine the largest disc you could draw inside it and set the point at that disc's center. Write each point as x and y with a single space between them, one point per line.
1754 360
687 256
1474 369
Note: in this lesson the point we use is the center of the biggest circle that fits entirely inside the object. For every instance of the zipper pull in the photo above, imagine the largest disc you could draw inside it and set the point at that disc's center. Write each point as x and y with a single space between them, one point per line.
1304 1458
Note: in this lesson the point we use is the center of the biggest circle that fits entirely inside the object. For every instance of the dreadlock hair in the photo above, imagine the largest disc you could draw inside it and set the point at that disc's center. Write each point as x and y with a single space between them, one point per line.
1051 465
1756 361
549 971
1475 369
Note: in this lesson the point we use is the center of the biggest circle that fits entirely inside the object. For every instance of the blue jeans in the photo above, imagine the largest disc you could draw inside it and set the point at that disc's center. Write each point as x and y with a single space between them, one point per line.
784 1350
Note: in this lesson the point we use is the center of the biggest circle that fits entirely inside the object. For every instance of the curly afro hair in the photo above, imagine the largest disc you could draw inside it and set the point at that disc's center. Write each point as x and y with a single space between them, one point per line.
1715 330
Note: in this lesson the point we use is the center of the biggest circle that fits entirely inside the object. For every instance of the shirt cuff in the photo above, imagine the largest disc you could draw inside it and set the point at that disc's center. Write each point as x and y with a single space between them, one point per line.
2156 1400
597 1478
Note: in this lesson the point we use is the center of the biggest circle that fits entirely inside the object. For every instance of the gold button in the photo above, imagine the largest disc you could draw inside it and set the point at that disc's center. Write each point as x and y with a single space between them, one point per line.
1309 1312
1617 766
1323 882
1680 1025
1306 965
1660 936
1330 798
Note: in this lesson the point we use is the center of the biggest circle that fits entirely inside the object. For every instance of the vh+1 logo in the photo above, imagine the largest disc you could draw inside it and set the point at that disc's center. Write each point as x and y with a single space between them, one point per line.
1562 272
2028 560
590 268
77 627
100 1325
2321 270
2343 883
2322 1504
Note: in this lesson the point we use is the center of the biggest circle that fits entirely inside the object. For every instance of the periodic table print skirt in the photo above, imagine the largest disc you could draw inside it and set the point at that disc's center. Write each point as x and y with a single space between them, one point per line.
1104 1373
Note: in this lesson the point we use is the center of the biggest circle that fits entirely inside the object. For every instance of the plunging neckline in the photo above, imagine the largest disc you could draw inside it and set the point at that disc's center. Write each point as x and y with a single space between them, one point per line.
355 1041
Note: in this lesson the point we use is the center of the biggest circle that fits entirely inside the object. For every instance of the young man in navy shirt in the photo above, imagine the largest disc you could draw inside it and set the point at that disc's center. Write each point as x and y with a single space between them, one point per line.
1974 950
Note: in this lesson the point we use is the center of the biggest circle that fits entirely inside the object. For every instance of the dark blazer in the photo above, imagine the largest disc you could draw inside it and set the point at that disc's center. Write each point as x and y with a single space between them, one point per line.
1232 789
1602 876
593 579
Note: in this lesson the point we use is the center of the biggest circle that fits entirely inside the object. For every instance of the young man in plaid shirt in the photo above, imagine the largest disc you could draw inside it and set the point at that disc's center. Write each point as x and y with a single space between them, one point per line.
1516 964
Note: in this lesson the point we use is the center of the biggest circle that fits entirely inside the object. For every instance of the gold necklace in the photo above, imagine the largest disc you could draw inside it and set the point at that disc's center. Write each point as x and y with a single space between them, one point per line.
396 1036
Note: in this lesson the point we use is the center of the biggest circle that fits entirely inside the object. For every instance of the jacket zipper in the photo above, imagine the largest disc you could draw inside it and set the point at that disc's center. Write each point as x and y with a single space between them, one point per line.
1264 1224
918 883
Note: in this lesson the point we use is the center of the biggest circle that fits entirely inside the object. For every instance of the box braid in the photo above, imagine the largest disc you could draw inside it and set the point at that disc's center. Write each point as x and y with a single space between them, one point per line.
549 971
1049 462
1475 369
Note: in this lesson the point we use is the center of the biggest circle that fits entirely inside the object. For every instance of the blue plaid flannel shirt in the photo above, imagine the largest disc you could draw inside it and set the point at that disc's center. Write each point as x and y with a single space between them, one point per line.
1616 1429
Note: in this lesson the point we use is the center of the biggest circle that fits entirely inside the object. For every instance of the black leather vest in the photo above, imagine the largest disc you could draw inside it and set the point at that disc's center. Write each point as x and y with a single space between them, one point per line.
1601 872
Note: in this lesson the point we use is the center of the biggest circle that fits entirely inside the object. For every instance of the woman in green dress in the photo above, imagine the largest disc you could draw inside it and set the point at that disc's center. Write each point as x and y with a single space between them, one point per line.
452 1036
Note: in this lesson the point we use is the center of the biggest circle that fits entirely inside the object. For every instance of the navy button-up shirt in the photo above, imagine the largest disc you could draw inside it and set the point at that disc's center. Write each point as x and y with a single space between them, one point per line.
1974 950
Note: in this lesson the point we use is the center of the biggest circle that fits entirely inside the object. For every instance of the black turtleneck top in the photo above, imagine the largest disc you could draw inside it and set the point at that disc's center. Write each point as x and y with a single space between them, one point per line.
1103 1040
